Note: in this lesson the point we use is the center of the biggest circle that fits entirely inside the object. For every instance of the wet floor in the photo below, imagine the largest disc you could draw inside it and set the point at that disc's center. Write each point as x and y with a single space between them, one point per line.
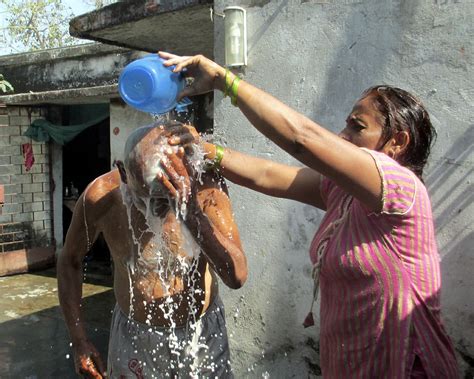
34 342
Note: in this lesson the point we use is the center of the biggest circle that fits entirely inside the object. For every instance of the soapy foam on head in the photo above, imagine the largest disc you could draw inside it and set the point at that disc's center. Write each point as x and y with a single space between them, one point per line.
147 165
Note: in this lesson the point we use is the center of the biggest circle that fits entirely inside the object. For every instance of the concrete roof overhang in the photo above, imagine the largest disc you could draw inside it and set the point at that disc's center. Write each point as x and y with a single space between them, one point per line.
82 74
89 73
179 26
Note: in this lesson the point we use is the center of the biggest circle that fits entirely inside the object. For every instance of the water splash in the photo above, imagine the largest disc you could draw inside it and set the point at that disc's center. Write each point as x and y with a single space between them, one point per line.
88 241
163 118
156 257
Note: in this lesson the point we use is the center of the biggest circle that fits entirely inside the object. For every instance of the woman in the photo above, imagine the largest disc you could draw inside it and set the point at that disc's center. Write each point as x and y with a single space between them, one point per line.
374 253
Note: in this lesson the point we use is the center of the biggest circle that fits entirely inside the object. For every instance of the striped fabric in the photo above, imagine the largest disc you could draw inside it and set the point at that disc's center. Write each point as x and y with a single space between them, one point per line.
380 283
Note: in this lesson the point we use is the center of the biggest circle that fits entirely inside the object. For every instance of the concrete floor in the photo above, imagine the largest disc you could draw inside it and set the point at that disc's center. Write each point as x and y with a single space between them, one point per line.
34 342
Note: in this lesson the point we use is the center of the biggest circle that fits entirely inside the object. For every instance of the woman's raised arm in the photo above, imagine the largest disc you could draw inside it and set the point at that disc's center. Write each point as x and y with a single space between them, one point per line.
349 166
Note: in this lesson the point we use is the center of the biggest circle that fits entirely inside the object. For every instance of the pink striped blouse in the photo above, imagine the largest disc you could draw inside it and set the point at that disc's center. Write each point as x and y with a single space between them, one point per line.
380 282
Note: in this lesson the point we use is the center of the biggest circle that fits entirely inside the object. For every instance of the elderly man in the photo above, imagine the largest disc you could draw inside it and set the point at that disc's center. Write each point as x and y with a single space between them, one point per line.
169 234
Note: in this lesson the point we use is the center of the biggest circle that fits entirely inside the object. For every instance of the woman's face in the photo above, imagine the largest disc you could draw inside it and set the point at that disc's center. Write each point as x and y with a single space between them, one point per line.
364 125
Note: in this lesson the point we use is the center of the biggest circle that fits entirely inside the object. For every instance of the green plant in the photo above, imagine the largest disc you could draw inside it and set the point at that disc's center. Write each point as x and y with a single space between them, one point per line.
36 24
5 86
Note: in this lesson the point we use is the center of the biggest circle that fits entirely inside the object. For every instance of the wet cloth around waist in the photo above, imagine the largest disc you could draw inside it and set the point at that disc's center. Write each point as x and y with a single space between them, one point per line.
200 349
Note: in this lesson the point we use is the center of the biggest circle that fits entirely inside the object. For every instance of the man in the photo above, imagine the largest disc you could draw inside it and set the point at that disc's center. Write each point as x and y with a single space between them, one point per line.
169 235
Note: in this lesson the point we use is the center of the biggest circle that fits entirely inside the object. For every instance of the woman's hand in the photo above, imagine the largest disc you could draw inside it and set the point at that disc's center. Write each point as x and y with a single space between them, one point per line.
207 74
88 362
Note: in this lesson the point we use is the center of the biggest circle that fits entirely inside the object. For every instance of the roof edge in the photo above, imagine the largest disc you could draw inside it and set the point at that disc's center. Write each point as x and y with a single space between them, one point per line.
61 96
123 12
65 52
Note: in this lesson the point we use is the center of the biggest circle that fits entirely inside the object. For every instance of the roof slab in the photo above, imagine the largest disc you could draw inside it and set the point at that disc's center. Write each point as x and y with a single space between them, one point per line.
89 73
79 74
180 26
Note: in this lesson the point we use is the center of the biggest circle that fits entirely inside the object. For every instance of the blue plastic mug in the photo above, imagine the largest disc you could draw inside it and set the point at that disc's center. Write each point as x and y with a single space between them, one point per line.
147 85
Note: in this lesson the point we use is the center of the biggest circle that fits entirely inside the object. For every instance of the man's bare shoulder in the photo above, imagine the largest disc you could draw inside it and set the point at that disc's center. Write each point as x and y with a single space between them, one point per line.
212 182
102 191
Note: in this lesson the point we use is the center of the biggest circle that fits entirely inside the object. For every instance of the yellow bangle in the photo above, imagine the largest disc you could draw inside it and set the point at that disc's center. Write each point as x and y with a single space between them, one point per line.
218 157
215 162
233 91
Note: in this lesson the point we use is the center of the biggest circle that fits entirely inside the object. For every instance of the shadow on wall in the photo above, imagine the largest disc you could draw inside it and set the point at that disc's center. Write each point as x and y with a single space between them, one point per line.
452 192
363 58
260 32
459 152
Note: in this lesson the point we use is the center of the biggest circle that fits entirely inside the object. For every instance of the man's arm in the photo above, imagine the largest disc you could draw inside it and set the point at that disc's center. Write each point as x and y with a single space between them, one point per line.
212 220
81 235
209 218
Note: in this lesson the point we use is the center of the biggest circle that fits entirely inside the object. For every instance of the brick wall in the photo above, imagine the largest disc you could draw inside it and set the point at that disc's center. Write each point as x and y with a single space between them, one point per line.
26 218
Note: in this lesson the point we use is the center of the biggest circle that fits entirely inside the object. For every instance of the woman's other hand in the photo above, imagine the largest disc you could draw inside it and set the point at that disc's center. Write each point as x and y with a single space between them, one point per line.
207 74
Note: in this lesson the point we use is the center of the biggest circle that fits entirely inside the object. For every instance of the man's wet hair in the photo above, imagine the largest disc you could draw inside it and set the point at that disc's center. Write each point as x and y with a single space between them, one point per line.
134 138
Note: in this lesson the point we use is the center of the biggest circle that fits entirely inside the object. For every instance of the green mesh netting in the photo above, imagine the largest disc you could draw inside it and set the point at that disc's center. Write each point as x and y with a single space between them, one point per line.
42 130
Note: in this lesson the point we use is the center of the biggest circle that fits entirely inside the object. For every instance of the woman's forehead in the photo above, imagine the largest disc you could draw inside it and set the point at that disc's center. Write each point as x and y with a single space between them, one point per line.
365 108
364 105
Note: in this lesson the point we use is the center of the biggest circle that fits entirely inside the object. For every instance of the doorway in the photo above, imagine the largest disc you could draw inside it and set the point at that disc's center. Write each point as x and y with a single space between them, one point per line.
85 158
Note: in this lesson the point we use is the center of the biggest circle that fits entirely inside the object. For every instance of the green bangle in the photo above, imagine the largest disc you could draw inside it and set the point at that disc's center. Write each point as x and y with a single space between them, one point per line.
218 157
233 91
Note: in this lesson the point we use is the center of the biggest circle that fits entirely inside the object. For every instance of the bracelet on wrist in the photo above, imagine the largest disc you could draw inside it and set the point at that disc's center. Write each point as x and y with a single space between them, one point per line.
215 163
231 86
219 156
233 91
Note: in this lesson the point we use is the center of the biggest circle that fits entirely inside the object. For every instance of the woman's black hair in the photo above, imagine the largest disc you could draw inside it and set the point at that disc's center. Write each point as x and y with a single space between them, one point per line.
401 111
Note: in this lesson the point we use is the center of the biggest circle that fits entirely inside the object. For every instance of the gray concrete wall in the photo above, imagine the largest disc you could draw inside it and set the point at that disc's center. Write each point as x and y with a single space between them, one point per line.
318 56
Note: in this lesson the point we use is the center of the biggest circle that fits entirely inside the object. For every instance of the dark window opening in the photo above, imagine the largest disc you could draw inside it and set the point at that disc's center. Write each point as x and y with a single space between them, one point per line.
85 158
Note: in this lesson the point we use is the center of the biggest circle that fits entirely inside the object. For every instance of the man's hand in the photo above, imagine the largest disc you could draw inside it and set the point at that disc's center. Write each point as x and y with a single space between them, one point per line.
183 135
176 175
88 362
